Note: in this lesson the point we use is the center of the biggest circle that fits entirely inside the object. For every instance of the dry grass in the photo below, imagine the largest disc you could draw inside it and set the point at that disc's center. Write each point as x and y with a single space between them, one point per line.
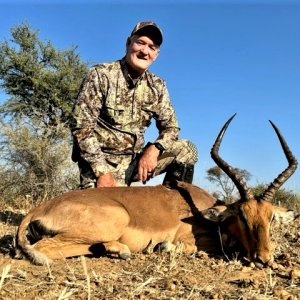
151 276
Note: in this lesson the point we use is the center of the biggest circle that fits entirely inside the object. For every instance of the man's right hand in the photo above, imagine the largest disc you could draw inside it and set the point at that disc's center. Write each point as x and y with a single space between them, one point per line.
148 163
106 180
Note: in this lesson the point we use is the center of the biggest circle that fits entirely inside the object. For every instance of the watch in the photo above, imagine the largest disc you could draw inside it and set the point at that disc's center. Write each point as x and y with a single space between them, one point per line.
159 147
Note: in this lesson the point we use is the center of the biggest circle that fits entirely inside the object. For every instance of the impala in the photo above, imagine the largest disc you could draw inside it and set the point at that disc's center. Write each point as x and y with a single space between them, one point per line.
122 220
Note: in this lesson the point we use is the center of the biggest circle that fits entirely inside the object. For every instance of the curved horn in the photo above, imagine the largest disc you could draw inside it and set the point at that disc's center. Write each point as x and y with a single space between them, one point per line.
269 193
233 174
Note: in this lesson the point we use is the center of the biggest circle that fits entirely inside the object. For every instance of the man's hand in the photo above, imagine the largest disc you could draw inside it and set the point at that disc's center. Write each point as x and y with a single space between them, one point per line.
148 163
106 180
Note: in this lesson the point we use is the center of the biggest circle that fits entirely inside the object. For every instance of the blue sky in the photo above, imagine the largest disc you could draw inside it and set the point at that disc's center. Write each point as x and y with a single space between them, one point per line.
218 58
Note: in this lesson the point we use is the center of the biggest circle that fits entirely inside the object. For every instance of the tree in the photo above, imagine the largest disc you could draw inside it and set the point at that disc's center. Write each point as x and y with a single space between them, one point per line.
42 82
221 179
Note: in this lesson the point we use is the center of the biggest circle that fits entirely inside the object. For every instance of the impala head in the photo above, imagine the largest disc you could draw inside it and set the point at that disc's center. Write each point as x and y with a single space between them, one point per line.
249 220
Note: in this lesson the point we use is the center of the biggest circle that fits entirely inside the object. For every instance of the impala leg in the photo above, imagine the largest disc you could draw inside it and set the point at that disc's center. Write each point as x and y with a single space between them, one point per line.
189 247
165 246
188 242
56 249
184 246
118 248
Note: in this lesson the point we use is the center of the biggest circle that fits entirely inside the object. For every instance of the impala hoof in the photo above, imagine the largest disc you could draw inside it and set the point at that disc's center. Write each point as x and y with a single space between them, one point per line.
165 246
125 256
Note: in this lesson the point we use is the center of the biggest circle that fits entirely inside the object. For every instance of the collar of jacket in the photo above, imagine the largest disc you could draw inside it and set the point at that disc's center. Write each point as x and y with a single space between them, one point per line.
126 72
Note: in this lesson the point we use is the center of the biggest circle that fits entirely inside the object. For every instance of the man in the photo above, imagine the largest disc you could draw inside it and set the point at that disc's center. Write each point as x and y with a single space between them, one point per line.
115 106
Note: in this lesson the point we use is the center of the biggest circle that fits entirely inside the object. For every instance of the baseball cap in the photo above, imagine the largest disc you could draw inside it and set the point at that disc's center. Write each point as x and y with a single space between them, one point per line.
148 28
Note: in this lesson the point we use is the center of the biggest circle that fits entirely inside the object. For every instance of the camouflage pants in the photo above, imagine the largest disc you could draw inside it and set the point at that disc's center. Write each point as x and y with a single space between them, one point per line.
182 151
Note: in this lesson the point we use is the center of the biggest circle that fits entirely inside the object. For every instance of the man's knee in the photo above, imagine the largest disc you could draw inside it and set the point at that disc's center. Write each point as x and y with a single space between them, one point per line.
182 165
193 153
187 152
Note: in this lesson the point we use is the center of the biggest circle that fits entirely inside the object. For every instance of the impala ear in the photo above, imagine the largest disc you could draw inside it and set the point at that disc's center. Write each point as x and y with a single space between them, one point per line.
284 216
217 213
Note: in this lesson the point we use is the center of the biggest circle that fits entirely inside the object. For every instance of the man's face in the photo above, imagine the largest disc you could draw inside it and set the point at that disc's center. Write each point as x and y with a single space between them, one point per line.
141 52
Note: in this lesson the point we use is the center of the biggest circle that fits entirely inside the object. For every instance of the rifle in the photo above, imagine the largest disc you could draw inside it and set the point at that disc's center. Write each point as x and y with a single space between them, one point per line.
132 170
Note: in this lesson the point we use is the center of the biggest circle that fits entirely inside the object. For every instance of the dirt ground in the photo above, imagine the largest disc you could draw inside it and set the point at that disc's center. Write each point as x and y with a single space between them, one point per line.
152 276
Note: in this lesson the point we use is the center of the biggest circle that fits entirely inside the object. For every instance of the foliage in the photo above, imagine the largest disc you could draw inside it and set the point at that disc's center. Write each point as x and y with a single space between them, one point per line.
221 179
283 197
42 81
36 164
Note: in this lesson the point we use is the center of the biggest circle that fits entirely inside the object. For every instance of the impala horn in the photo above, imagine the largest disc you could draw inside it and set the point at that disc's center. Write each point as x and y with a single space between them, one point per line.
269 193
232 173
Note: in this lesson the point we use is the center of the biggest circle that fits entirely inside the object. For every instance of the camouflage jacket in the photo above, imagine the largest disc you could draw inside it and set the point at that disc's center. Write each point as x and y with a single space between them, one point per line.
112 113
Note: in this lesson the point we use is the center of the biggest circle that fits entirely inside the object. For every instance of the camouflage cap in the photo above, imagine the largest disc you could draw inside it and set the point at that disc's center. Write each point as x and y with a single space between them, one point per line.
148 28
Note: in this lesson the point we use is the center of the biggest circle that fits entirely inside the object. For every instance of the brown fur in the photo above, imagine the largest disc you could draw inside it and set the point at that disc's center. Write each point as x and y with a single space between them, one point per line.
124 220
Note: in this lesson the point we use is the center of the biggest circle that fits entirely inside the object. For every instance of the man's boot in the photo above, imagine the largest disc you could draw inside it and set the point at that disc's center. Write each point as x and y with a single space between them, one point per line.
179 171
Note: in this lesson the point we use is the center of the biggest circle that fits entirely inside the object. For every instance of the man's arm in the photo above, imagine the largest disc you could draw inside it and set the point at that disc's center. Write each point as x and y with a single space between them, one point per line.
85 115
166 120
167 125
